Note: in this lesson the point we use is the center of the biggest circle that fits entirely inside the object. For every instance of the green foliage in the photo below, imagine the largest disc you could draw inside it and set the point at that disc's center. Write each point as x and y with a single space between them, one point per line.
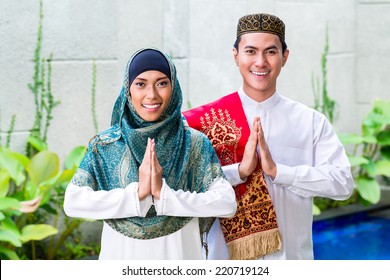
322 102
31 195
76 250
10 130
93 95
370 156
32 186
41 89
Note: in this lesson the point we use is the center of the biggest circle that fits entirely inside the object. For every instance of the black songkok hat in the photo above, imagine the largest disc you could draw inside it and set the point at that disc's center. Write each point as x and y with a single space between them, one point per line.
148 59
261 23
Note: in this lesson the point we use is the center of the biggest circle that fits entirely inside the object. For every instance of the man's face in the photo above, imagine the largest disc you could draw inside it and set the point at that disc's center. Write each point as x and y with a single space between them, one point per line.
260 60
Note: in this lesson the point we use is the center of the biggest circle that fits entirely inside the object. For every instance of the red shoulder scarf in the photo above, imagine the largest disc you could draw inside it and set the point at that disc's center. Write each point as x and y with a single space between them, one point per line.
253 231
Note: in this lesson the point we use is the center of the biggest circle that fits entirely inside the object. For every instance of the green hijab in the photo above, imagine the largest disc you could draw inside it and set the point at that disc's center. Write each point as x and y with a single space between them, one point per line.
187 158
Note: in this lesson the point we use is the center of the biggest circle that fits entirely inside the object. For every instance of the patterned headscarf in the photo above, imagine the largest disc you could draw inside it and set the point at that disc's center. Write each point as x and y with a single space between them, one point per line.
113 158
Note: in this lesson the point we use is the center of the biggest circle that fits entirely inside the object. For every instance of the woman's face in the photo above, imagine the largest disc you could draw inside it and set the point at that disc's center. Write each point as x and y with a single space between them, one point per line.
150 94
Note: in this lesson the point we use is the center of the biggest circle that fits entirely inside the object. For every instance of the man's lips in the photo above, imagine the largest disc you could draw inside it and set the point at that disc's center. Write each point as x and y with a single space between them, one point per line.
260 73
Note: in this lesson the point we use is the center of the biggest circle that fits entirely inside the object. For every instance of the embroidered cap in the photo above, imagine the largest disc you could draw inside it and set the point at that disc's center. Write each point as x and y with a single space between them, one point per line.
261 23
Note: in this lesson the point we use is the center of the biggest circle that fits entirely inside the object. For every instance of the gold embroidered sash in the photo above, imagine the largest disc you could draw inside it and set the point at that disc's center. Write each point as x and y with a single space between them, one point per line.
253 231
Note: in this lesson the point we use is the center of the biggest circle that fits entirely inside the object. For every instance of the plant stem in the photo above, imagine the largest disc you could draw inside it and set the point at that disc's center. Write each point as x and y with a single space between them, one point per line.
93 106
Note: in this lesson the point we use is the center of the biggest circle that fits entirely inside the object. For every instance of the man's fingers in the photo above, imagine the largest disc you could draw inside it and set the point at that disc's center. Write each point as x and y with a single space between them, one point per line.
260 134
255 129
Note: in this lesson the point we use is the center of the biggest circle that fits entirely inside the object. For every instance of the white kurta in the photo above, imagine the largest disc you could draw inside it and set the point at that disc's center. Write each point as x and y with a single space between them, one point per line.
310 162
218 201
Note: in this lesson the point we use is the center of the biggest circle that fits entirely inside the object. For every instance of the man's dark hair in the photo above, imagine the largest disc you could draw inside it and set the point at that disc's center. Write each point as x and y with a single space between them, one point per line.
284 45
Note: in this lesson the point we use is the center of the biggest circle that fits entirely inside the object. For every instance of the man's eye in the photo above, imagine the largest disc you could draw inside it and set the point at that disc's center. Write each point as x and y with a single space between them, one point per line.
272 52
250 51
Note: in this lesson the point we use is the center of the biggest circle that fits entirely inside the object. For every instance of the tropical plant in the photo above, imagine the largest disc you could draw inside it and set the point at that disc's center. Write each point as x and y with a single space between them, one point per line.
32 186
31 194
370 156
322 102
41 89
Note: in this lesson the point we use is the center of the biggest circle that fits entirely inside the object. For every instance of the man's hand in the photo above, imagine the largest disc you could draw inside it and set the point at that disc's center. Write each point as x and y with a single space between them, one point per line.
267 163
250 158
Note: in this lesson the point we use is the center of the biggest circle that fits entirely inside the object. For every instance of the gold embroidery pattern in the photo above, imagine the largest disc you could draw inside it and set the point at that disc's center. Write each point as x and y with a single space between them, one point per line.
261 23
254 211
223 134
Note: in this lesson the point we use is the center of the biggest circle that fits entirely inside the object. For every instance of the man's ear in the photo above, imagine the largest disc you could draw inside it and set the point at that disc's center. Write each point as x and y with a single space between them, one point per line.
235 55
285 56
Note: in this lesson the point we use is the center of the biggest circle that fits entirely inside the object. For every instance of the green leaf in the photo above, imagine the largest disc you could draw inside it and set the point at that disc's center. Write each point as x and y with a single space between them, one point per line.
37 232
4 182
382 107
22 159
37 143
9 224
54 183
8 254
350 139
370 168
43 166
75 156
385 152
9 161
61 178
9 236
383 168
368 189
373 123
357 160
9 203
31 191
384 137
370 139
316 210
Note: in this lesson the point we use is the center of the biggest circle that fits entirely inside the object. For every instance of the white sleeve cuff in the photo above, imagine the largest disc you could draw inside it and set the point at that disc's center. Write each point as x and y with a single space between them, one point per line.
142 206
285 175
159 204
232 175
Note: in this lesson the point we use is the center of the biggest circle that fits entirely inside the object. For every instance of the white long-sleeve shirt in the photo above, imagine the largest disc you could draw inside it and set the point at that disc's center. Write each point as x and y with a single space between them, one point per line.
84 202
310 162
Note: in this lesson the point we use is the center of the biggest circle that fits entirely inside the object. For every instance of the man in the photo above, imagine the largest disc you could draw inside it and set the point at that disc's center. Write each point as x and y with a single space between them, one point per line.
277 153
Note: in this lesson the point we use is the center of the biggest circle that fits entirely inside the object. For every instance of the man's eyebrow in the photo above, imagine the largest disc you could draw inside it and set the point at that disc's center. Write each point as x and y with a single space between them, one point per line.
271 47
255 48
250 47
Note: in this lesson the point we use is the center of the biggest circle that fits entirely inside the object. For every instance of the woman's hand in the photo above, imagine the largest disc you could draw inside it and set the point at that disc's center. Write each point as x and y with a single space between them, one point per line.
156 173
150 173
144 182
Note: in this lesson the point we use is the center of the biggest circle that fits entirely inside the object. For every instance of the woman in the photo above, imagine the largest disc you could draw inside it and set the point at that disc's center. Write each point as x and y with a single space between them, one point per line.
156 182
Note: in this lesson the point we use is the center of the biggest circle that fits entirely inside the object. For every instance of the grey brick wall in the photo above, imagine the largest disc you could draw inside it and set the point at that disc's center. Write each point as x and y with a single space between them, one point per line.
199 34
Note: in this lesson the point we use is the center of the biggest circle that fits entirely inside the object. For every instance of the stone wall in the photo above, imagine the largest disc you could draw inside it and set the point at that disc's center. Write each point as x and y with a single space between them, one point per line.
199 35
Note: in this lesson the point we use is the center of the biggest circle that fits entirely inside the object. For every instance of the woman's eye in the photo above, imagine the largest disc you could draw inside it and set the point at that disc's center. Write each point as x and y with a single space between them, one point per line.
139 84
163 84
